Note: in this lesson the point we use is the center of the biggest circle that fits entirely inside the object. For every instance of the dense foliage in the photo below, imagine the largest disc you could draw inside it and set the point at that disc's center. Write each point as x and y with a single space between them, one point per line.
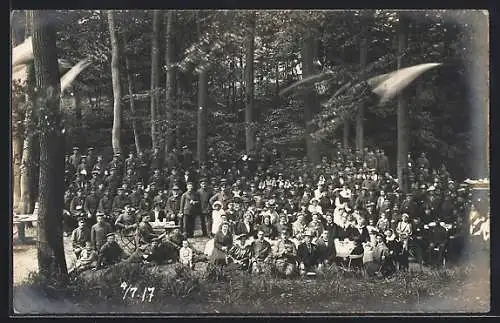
439 105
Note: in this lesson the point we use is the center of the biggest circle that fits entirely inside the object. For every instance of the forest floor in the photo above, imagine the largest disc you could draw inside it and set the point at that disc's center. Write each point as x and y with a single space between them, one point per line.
458 289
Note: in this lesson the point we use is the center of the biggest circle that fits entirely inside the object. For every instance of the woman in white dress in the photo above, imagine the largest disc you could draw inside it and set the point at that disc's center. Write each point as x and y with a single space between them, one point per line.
217 214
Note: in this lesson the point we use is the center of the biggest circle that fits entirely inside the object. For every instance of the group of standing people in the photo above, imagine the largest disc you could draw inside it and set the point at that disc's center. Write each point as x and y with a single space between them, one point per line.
304 211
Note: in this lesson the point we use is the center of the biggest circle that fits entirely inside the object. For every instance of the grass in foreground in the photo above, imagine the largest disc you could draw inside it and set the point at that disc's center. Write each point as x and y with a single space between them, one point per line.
216 291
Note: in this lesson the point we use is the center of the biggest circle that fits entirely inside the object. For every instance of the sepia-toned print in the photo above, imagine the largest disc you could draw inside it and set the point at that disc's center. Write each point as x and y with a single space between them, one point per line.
195 162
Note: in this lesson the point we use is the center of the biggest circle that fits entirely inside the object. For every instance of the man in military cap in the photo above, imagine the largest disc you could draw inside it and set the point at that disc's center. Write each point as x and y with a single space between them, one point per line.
91 158
112 182
188 209
120 200
143 167
75 158
90 206
110 252
157 178
173 206
131 177
99 231
79 237
146 203
204 194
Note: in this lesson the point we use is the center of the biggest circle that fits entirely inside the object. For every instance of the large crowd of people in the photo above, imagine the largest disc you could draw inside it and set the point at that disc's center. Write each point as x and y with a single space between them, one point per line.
263 211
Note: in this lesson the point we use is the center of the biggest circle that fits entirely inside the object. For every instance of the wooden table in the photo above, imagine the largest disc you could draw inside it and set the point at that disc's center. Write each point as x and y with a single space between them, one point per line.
19 221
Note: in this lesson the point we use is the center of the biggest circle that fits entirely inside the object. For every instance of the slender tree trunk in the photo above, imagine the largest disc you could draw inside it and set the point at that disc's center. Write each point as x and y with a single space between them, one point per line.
307 70
78 115
155 77
403 124
249 133
345 136
132 105
361 109
115 75
202 107
28 166
202 116
170 90
51 258
17 140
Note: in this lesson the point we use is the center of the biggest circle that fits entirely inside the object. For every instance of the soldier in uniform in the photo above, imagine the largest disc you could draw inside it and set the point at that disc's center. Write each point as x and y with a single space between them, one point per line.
145 204
91 158
105 204
110 253
79 237
99 231
173 206
120 200
75 158
143 167
90 206
188 208
130 178
77 201
204 195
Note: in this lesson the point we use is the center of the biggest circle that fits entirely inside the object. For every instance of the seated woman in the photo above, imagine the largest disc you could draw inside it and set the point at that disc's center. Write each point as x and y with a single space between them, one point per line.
286 255
87 259
268 229
223 241
300 225
240 253
359 234
316 226
380 263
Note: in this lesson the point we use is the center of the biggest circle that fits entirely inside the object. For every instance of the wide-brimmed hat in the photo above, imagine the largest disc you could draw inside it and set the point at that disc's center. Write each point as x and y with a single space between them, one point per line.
345 194
313 199
405 215
239 236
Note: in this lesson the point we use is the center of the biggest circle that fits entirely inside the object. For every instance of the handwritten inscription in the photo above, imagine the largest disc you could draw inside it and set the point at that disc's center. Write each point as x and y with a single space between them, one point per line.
131 292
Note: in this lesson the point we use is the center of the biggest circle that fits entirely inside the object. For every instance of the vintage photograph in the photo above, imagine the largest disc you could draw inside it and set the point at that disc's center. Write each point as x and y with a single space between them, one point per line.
246 162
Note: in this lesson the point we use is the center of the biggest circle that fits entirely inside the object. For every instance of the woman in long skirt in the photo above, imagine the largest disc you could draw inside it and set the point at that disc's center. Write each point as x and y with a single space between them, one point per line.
223 241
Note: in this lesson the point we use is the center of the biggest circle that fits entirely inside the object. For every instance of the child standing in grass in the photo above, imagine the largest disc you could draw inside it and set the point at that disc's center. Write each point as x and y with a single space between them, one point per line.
186 255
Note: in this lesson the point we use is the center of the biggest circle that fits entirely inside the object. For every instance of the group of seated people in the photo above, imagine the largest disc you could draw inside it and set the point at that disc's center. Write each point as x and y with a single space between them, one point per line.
286 213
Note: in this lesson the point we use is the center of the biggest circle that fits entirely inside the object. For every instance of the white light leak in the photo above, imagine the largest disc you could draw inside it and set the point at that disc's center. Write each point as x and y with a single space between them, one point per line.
201 108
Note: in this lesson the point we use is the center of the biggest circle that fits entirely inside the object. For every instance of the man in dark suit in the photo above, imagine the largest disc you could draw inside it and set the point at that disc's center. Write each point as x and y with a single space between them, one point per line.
307 254
204 195
189 204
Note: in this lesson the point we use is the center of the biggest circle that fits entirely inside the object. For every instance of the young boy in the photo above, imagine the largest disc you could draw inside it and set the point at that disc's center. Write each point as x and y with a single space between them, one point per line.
186 255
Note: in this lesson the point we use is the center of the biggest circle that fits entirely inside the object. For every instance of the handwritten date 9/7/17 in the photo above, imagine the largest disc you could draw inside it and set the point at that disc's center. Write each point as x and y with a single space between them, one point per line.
131 292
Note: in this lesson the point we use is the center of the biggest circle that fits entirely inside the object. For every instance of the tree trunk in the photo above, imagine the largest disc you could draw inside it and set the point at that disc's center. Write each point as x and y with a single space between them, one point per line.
51 258
78 116
155 77
403 124
115 75
133 115
17 140
28 166
307 70
170 89
360 116
202 108
202 116
249 102
345 137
